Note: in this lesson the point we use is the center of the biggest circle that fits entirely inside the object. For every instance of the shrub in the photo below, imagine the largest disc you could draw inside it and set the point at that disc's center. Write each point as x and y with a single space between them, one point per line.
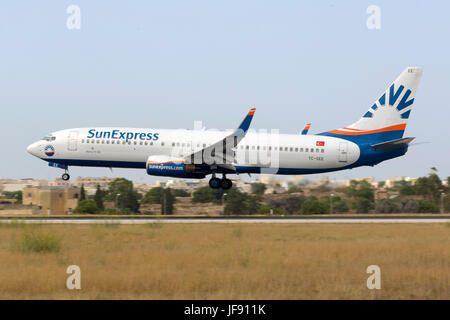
294 189
38 242
388 206
339 205
87 206
426 206
275 210
313 206
180 193
258 188
289 205
237 202
411 206
207 194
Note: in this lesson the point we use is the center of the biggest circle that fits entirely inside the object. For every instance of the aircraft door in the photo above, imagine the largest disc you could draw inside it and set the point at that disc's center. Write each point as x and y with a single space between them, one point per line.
72 141
343 149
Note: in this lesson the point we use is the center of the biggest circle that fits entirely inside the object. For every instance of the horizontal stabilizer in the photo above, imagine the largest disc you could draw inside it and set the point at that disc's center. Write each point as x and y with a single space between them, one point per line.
393 144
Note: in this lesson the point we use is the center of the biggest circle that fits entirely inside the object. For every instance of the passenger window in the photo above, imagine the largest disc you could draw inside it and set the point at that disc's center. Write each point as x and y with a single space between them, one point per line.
317 150
257 148
103 141
323 150
82 141
141 143
270 148
151 143
247 147
296 149
98 141
290 149
312 149
146 143
306 149
301 149
162 144
173 144
107 141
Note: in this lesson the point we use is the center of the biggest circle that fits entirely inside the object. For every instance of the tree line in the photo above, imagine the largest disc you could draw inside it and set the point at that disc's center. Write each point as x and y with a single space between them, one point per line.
427 195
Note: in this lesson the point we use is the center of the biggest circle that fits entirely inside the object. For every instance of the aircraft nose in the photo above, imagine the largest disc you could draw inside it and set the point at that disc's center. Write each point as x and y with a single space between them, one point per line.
33 149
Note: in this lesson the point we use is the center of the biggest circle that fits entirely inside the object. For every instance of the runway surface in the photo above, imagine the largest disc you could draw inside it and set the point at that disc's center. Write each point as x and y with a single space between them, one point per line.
230 219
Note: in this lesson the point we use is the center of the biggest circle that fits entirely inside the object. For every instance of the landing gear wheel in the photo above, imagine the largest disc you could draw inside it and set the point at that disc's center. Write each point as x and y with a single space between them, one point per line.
226 183
215 183
65 176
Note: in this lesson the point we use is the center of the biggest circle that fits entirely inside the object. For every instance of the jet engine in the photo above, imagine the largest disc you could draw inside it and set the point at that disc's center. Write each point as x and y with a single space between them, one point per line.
168 166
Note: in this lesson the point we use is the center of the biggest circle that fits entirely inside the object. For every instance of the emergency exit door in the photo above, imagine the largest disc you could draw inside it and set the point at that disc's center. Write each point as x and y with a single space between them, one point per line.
343 149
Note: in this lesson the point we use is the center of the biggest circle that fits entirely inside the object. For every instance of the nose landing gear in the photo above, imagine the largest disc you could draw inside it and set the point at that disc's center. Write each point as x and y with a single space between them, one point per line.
223 183
65 175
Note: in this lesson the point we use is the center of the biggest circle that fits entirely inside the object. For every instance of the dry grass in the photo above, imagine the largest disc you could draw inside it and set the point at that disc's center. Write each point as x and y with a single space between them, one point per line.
230 261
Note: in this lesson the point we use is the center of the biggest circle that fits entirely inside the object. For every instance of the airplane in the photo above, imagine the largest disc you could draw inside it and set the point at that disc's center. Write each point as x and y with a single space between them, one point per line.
376 137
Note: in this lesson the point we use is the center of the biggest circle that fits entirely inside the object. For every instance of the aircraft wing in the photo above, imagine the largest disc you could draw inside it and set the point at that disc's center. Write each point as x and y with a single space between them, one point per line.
222 153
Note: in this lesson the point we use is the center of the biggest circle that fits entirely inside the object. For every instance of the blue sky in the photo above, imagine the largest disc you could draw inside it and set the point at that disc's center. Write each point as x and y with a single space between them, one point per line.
165 64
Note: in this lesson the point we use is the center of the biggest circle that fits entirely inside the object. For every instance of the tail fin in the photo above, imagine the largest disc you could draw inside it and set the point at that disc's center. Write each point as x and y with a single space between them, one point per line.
386 118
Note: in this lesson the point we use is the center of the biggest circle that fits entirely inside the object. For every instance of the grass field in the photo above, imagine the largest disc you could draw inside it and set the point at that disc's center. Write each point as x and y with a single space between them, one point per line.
225 261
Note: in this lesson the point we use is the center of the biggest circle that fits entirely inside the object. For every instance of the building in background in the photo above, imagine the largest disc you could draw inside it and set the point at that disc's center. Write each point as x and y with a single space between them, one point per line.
91 183
54 200
13 185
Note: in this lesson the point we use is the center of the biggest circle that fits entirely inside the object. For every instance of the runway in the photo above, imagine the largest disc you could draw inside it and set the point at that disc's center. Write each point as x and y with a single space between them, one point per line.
229 219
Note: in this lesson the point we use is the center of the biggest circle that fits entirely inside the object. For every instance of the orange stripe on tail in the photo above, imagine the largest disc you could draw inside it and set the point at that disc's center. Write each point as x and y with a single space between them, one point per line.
386 129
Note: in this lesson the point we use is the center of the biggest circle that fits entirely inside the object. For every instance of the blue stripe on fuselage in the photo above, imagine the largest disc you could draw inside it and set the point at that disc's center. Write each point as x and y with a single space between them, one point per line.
99 163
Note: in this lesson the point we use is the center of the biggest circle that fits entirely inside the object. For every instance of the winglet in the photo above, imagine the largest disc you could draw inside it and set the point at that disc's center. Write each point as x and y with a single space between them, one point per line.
306 128
247 120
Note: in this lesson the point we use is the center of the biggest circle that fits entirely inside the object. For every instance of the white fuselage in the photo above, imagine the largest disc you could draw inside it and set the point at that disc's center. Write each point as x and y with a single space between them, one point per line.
131 147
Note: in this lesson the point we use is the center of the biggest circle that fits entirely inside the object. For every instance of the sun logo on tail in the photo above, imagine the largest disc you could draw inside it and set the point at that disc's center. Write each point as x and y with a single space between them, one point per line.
393 101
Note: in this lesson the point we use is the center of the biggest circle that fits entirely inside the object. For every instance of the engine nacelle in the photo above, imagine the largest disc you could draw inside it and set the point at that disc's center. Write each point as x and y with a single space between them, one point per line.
168 166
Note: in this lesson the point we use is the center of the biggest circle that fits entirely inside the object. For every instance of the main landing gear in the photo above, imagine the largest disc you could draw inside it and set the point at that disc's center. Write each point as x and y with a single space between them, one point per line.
217 183
65 175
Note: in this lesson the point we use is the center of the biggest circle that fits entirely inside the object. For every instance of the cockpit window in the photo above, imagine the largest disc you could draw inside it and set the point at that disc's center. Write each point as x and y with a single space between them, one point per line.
49 138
